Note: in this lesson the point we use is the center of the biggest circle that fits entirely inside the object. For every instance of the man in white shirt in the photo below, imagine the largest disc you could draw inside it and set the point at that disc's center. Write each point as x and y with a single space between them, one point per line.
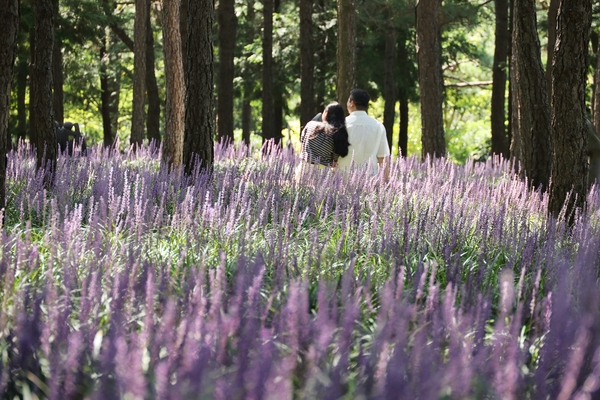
368 141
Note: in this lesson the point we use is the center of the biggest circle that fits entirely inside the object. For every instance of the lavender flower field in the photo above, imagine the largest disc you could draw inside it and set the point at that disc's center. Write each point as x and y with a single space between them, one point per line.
127 281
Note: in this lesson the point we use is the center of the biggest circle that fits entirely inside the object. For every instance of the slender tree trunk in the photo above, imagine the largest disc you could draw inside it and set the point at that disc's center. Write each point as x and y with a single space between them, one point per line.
175 86
346 50
268 113
552 13
139 72
32 133
42 116
227 39
22 74
531 131
183 27
199 97
569 131
9 20
105 97
153 117
499 76
430 78
248 83
57 70
389 85
596 104
403 137
307 62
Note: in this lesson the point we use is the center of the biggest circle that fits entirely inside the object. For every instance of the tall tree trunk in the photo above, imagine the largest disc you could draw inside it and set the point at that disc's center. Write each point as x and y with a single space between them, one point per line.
346 50
569 132
552 14
139 72
42 116
227 39
105 97
307 63
9 20
403 136
183 27
175 86
153 117
248 83
199 97
389 84
268 113
57 70
531 130
596 104
22 74
430 78
499 77
32 133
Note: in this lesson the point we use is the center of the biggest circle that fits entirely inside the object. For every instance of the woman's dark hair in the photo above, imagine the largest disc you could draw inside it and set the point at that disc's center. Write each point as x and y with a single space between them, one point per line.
336 126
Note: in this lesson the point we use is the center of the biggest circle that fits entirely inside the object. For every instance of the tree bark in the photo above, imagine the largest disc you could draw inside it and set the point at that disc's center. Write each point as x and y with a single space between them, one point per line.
389 84
307 63
172 152
227 39
403 136
552 14
153 117
139 72
531 142
268 113
199 97
346 50
9 20
569 132
248 83
596 103
57 70
105 97
430 78
499 77
22 74
42 117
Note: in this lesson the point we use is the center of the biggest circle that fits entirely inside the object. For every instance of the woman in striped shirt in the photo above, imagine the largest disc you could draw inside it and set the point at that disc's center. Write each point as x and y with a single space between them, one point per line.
323 142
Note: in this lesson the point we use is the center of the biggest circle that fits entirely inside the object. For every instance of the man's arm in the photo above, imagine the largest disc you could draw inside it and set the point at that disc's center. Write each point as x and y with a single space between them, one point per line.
386 167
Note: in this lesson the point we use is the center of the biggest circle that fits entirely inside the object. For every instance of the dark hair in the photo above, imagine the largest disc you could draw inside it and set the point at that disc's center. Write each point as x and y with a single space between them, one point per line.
360 98
336 126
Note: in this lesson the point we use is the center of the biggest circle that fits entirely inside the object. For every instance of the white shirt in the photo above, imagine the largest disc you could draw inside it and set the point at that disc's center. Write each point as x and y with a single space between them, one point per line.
368 141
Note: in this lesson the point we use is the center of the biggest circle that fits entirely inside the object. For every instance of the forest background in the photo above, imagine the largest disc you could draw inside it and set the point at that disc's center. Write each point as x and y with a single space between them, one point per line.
95 54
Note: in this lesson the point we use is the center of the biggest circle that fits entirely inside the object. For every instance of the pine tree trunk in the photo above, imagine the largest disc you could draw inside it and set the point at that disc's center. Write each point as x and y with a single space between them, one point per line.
268 113
531 128
172 152
403 136
9 20
42 117
153 117
499 77
105 97
199 97
346 50
389 85
57 71
227 39
430 78
22 74
139 72
248 84
307 63
569 132
552 14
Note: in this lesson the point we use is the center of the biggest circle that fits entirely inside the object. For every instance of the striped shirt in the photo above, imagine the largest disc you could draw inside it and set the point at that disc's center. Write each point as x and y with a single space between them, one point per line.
317 144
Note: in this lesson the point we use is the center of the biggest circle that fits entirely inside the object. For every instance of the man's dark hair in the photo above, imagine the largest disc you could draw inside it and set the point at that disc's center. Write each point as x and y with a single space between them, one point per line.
360 98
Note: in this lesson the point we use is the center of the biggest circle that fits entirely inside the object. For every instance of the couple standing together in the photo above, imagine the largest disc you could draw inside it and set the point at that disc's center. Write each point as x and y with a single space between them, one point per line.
332 140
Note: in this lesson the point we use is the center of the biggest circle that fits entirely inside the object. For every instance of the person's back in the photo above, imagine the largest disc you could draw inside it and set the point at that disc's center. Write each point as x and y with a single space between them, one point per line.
367 136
